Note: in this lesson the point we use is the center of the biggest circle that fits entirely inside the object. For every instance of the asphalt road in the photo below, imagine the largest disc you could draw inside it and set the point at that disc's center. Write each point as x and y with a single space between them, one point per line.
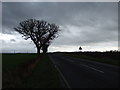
81 73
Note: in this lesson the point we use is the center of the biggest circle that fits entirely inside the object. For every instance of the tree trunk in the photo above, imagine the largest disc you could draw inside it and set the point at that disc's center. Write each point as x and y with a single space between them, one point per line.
45 48
38 50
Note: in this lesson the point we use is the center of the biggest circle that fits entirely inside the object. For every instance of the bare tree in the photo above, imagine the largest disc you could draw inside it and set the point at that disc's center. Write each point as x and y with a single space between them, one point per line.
39 31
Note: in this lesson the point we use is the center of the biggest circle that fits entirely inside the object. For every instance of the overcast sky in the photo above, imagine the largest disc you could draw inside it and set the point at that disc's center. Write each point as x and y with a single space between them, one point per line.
92 25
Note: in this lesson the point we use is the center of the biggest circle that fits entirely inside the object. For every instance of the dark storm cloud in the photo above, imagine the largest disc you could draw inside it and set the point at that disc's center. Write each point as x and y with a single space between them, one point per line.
54 12
80 22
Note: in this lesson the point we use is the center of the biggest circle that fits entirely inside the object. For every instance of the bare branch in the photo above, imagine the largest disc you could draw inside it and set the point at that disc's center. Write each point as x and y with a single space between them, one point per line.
40 32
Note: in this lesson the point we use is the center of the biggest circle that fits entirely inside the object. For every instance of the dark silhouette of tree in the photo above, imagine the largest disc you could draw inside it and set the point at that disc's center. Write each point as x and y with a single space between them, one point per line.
80 48
39 31
44 48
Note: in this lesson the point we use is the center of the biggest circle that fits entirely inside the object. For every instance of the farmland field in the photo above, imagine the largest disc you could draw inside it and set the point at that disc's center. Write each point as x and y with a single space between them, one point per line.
12 60
28 71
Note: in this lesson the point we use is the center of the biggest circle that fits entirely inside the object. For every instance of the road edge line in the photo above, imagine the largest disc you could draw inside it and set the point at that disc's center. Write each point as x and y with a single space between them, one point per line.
68 86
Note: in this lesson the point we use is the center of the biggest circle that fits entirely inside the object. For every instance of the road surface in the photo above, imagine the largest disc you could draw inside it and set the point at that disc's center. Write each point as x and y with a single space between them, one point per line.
81 73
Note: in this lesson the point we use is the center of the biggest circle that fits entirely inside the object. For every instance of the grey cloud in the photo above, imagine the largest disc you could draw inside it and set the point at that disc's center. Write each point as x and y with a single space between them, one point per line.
0 17
81 22
61 0
13 40
55 12
60 13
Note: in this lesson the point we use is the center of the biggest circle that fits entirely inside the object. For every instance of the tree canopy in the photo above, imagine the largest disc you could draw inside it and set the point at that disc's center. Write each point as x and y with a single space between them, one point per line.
39 31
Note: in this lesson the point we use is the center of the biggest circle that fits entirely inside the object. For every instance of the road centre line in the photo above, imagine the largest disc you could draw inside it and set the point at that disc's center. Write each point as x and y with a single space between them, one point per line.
92 68
85 65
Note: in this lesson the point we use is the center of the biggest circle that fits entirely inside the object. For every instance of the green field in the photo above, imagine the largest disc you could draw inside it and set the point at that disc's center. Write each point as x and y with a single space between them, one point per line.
12 60
29 71
103 57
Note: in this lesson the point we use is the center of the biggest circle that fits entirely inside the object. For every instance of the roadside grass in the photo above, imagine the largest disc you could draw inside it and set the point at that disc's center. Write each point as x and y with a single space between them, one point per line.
108 58
43 75
12 60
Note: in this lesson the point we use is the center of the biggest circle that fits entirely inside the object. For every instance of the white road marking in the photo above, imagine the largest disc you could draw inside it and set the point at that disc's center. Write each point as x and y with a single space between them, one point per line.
92 68
85 65
66 82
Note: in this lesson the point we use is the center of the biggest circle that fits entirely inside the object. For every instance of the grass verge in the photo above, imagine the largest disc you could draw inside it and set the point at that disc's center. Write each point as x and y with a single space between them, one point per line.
12 60
42 75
